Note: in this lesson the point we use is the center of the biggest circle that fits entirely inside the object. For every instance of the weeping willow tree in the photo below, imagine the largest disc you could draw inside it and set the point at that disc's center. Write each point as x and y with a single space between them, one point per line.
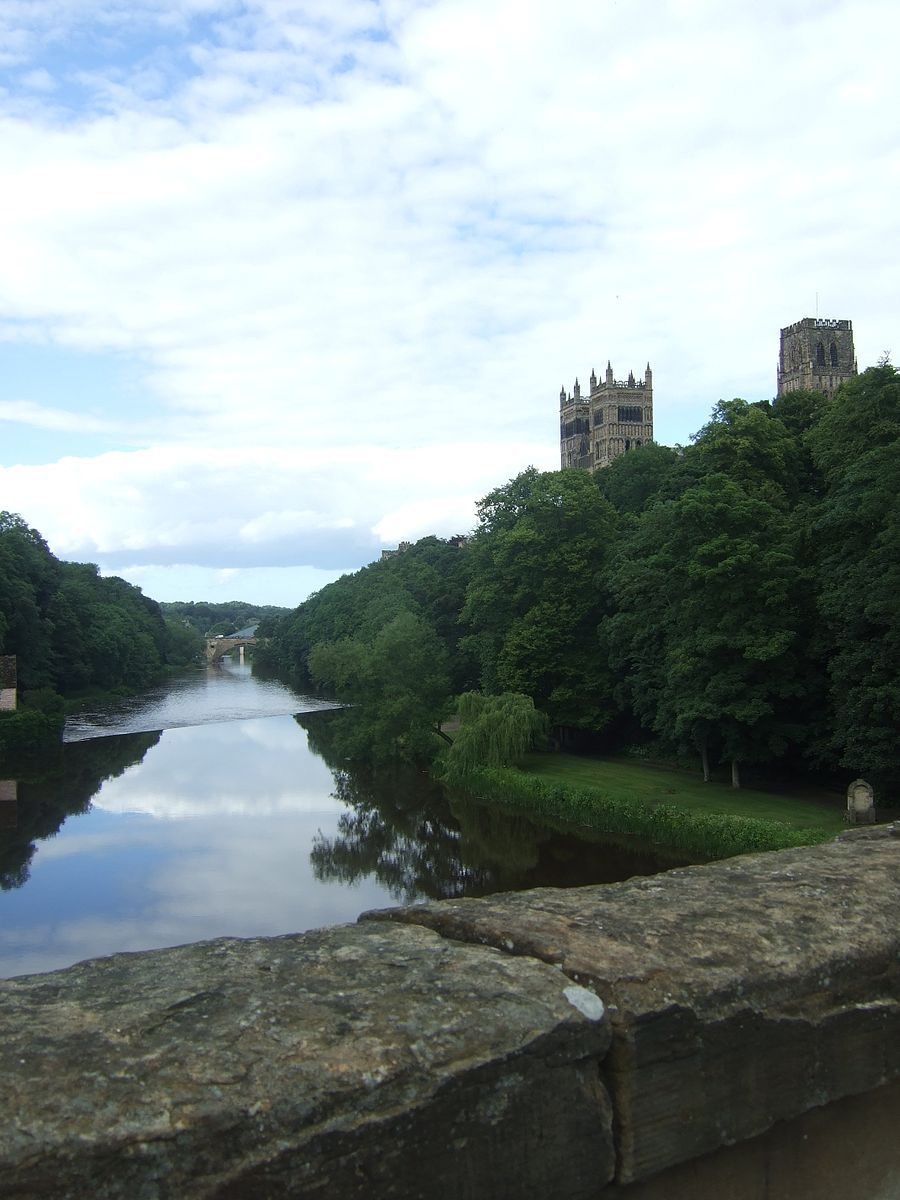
494 731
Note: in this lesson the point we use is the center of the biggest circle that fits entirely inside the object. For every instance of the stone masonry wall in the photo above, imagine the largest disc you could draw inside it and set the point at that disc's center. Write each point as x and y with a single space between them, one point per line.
648 1040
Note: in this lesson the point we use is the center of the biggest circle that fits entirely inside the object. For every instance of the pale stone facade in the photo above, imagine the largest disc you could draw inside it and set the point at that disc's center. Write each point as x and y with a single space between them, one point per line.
8 808
7 683
616 416
817 355
860 803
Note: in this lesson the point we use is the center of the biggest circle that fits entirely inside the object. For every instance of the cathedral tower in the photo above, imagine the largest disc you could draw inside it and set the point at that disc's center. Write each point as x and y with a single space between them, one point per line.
816 354
616 415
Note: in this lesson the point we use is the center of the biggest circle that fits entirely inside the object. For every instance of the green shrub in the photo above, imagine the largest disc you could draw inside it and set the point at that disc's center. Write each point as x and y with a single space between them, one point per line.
28 731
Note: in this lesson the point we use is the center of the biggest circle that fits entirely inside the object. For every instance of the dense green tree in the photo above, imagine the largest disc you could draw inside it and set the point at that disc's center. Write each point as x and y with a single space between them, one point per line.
208 618
29 577
494 731
862 416
71 628
426 580
536 594
798 411
753 448
736 597
633 480
183 644
856 534
398 683
706 635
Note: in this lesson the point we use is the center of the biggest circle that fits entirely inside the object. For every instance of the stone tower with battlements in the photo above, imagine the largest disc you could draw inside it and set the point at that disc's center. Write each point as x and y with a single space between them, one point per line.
816 354
614 417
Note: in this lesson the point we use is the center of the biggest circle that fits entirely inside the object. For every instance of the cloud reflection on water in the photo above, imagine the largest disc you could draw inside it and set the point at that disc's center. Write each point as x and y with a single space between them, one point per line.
247 768
208 836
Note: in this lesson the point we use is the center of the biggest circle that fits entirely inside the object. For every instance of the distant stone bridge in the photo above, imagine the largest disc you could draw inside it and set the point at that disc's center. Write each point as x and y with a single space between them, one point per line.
218 647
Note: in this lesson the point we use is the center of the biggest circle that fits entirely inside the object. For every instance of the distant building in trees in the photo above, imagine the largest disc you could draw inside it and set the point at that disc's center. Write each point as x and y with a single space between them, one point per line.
7 682
400 550
816 354
616 416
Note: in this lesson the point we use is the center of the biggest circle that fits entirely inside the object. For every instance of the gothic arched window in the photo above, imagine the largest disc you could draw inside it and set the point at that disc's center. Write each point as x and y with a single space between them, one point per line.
820 355
834 355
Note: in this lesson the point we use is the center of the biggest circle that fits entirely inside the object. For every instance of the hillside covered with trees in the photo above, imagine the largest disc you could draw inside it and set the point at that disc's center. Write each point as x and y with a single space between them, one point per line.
207 618
736 599
73 630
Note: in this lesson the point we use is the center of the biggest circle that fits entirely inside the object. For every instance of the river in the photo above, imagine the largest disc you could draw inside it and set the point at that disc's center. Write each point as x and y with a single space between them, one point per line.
206 808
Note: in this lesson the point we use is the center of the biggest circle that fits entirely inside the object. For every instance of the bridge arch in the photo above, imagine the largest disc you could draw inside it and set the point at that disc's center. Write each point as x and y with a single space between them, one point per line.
218 647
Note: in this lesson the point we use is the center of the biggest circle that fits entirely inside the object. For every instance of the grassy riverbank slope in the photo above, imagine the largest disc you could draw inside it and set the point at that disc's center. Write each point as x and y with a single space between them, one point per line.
667 807
652 785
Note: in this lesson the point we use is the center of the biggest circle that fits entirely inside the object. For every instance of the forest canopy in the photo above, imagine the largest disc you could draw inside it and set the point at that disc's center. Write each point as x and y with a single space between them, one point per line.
734 599
72 629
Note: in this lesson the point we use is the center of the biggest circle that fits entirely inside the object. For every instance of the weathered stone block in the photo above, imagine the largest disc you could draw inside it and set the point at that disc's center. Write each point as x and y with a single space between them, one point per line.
359 1061
741 993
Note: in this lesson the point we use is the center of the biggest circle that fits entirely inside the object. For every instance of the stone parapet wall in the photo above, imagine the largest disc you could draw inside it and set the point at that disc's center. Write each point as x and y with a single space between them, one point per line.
634 1040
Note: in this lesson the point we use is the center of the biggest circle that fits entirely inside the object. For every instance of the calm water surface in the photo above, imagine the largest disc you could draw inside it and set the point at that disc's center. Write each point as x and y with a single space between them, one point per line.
200 697
206 808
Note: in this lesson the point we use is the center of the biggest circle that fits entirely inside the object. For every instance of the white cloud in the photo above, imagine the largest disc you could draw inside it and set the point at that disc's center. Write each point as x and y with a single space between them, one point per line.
238 508
380 236
26 412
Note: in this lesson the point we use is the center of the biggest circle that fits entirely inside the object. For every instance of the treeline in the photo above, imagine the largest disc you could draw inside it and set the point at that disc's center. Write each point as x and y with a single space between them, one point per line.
73 630
208 619
736 599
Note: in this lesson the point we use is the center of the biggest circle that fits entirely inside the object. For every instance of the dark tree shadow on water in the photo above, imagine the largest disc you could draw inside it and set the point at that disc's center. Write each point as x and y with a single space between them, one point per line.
419 840
63 786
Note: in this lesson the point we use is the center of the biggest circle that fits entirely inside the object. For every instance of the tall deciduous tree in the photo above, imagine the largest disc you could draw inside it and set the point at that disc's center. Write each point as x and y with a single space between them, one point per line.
856 445
536 595
706 630
754 449
494 731
427 580
634 480
69 627
397 682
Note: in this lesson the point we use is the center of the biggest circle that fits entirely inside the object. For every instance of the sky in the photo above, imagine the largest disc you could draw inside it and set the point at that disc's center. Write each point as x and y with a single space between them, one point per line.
284 283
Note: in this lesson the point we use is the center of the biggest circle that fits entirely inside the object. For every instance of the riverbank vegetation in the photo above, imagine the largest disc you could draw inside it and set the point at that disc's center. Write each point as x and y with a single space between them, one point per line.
733 600
73 631
667 807
651 784
705 831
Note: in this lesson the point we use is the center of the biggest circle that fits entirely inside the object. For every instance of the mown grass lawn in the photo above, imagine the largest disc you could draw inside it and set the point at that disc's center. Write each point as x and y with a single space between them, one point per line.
652 785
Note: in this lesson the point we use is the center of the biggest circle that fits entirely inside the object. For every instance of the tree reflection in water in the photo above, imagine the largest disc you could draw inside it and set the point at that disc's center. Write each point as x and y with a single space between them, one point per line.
421 841
398 828
62 786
